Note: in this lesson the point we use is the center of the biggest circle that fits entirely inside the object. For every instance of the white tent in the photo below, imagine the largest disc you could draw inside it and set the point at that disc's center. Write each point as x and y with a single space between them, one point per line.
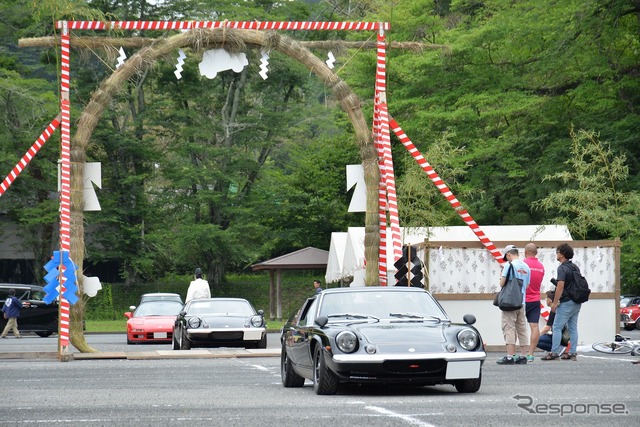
352 253
336 257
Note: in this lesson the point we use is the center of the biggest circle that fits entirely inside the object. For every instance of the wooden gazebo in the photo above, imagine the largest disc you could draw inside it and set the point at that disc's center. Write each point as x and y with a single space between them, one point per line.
304 259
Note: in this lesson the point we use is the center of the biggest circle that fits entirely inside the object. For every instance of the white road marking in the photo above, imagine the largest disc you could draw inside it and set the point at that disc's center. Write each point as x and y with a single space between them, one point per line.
406 418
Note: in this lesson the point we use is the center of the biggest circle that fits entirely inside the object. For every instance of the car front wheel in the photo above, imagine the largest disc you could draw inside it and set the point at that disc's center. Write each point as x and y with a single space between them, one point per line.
324 381
289 377
185 344
470 385
263 342
175 345
46 334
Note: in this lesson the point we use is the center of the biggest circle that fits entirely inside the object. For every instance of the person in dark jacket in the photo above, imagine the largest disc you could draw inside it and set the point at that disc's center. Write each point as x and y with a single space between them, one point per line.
11 310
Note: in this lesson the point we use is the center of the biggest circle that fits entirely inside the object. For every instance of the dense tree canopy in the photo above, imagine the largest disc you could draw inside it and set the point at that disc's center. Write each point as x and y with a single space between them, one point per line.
222 173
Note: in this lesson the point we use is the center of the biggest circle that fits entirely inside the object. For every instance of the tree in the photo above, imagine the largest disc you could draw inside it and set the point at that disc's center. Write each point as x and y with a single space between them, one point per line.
592 201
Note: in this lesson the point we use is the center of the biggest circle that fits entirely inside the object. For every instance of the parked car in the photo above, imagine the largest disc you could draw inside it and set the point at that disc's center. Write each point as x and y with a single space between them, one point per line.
630 314
629 300
219 322
152 321
385 335
36 315
161 296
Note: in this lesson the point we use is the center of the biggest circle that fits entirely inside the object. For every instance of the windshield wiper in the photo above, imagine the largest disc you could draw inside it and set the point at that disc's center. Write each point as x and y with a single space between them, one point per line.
416 316
407 315
353 316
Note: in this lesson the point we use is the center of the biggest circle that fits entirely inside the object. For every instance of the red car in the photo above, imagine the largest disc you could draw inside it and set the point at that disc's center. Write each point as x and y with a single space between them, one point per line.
630 314
152 321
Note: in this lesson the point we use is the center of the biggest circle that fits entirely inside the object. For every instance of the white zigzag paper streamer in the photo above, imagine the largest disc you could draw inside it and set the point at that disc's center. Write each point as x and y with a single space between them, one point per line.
264 63
331 60
181 57
121 58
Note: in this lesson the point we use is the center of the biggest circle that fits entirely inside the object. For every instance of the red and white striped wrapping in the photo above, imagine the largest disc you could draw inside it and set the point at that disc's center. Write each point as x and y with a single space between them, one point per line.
65 182
29 155
244 25
466 217
382 195
387 194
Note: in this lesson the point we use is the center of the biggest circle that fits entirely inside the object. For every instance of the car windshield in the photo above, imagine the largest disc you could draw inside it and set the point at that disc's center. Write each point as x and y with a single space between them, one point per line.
221 307
383 304
158 308
160 297
627 301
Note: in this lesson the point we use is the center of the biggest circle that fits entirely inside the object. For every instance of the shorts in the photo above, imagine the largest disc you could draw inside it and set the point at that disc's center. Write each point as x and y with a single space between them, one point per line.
533 311
514 327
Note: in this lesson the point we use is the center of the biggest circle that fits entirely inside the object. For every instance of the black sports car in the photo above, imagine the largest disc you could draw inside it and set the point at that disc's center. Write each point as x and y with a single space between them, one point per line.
219 322
388 335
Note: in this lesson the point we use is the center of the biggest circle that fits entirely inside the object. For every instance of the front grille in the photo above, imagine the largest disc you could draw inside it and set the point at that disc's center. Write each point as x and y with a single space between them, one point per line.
227 336
415 366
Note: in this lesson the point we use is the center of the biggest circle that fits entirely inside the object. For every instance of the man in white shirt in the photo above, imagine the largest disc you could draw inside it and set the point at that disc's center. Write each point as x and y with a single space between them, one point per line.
198 288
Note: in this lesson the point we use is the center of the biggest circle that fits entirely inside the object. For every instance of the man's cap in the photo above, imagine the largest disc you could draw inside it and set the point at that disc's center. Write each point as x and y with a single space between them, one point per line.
198 272
507 249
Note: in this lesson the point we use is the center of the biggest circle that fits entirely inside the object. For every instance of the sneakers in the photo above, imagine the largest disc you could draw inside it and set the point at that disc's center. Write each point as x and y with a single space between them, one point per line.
530 358
550 356
506 360
510 360
521 360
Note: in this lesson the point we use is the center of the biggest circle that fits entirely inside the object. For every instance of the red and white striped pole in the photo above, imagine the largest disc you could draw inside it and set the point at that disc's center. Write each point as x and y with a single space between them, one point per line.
65 184
444 190
387 191
29 155
243 25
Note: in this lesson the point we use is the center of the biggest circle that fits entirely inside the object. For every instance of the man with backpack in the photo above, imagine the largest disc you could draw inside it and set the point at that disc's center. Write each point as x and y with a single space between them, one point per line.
566 308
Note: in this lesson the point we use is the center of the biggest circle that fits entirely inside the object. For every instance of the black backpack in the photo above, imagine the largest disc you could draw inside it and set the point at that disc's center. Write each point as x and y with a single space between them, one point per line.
578 288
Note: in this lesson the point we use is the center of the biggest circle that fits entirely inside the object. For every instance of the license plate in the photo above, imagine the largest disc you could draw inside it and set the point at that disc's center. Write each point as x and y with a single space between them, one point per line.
159 335
463 370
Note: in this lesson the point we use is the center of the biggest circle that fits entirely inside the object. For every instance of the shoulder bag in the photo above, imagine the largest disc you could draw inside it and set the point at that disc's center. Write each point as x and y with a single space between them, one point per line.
510 296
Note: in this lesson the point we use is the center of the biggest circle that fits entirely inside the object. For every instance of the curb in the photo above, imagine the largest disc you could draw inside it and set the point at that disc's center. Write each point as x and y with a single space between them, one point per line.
146 355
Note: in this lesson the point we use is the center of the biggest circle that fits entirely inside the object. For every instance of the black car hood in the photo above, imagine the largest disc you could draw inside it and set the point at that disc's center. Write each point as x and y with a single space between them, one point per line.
404 332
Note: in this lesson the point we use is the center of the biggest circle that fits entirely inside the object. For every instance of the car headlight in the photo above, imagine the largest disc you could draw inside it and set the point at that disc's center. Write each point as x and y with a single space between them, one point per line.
347 342
257 321
194 322
468 339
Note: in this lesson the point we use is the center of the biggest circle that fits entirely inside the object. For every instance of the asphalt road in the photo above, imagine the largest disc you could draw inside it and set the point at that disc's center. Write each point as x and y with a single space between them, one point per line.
248 391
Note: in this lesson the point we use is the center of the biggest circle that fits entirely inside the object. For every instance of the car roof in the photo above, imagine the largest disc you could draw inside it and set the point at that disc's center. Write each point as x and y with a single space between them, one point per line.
160 294
160 301
372 289
20 286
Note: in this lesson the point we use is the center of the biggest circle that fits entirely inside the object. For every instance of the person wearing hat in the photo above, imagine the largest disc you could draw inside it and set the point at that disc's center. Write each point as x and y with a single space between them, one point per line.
198 288
11 310
514 323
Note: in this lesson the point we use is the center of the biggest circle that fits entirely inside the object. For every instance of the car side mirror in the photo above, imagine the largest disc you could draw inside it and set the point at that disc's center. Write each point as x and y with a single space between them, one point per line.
261 312
182 313
321 321
469 319
127 315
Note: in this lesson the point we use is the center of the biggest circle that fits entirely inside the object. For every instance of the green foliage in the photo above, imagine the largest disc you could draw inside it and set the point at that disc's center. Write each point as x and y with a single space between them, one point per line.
222 173
115 299
591 198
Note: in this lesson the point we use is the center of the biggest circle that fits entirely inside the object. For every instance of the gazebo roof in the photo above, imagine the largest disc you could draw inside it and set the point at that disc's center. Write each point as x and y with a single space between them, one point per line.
304 259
